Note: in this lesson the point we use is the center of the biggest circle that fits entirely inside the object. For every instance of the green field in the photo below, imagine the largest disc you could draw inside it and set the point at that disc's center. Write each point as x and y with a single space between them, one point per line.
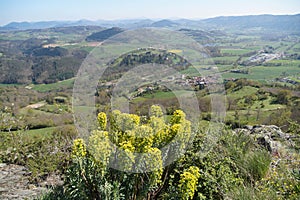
38 133
225 68
27 136
247 90
231 59
164 95
235 52
286 62
66 84
265 73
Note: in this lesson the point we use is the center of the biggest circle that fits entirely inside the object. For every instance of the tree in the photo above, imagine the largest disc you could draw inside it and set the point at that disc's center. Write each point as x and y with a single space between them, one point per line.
230 85
9 121
283 97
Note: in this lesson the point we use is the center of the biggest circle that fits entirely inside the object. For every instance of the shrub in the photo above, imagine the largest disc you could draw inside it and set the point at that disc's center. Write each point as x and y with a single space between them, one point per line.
30 150
89 175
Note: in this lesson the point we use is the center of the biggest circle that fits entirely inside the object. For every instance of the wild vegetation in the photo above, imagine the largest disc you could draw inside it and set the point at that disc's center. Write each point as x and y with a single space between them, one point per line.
261 73
238 168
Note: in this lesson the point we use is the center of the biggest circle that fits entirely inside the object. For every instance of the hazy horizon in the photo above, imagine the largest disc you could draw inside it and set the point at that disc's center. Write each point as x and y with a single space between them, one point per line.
141 18
67 10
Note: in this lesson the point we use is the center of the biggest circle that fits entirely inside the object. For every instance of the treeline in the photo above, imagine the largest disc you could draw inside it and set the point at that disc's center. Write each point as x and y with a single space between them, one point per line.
103 35
28 61
143 56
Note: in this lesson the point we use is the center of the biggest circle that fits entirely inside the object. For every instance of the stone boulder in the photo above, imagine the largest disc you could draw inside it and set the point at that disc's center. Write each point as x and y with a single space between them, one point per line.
269 136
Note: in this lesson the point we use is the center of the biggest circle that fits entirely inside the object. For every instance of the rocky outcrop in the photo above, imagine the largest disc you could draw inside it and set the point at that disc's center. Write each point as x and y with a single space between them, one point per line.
15 184
269 136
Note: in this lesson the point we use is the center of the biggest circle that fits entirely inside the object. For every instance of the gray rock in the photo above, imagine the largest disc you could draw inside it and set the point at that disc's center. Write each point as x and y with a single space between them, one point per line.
269 136
248 127
14 183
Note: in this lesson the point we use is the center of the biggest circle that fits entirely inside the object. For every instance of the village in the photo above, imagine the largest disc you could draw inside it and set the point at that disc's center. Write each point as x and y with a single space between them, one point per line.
180 82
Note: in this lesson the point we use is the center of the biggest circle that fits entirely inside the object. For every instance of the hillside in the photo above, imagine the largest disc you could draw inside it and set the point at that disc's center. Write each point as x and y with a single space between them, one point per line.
164 23
254 149
43 55
103 35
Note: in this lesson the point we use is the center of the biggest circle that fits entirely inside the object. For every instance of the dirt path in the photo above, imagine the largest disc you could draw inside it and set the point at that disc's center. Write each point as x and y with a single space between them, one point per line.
36 105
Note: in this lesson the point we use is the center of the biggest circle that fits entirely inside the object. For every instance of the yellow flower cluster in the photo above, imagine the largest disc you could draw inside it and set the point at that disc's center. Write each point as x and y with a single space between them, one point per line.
158 165
123 121
143 138
188 182
99 147
102 120
156 111
79 148
126 158
178 117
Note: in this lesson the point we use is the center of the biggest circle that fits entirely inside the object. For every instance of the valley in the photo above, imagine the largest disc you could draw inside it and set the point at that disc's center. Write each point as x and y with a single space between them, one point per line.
258 65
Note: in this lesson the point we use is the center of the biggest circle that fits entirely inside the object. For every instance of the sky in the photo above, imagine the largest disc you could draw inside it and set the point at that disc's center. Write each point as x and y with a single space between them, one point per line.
47 10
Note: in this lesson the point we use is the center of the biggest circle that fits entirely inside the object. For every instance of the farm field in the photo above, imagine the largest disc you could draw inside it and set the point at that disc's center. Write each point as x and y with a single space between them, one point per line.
245 84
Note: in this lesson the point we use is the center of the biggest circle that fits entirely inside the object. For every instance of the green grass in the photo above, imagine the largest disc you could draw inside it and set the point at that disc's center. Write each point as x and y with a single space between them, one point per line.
268 105
224 68
87 48
252 118
192 71
41 133
296 48
245 91
8 85
264 113
159 95
286 62
226 58
156 95
83 109
59 36
235 52
262 73
54 86
56 109
202 70
255 114
34 134
164 95
34 113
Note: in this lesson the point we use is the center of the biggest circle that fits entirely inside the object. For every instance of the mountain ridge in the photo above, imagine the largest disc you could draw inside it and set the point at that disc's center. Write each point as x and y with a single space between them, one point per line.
267 21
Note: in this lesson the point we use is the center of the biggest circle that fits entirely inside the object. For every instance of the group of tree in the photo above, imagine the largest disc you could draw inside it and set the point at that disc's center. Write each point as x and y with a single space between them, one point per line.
132 59
29 61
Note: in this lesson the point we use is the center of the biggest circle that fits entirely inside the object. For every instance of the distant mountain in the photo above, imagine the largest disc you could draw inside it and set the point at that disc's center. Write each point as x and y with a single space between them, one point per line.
126 23
265 22
45 24
284 23
164 23
103 35
201 35
142 23
31 25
